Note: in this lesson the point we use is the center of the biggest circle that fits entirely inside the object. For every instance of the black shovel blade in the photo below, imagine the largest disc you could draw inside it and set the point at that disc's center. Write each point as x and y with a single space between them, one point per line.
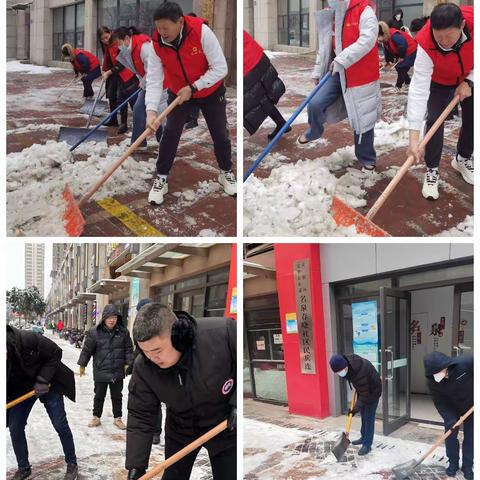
102 108
72 135
405 470
341 447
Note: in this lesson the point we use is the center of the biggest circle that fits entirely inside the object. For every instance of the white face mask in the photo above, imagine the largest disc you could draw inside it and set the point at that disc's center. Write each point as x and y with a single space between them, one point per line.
439 376
343 372
398 17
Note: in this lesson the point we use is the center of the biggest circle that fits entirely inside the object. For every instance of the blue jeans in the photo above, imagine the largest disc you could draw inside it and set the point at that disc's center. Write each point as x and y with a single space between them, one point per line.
317 108
140 119
88 80
368 423
17 420
452 445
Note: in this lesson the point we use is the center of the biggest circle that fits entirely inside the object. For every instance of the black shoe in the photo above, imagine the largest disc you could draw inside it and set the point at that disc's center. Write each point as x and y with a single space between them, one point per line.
452 469
364 450
467 473
191 124
156 439
22 473
272 135
357 442
113 122
122 129
72 472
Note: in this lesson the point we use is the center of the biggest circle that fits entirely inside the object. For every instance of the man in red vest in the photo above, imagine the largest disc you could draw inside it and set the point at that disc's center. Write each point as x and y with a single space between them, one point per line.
443 68
187 57
84 63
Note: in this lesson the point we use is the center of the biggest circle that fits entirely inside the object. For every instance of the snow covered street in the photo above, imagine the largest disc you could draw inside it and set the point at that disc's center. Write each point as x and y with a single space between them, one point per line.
290 193
100 451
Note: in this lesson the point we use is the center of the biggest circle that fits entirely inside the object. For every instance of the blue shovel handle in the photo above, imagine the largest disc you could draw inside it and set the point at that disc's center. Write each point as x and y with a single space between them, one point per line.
277 137
105 120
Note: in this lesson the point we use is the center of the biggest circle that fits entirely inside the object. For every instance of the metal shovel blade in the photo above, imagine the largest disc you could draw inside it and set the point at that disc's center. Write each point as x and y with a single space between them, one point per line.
102 108
405 470
71 135
341 447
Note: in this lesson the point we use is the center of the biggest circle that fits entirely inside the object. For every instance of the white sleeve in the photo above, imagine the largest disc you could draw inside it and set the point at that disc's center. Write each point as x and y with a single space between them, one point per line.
217 64
365 42
145 53
155 77
470 75
419 89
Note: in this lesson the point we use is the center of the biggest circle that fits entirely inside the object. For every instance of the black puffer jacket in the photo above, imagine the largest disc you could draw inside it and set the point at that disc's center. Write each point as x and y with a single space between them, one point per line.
393 22
366 380
262 89
453 396
31 355
111 350
199 392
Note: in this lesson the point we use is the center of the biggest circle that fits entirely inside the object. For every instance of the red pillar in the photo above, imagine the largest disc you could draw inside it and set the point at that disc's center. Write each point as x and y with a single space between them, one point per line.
231 307
307 393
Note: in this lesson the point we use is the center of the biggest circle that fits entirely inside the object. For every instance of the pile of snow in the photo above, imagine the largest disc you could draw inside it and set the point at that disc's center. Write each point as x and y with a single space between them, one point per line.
463 229
34 127
30 69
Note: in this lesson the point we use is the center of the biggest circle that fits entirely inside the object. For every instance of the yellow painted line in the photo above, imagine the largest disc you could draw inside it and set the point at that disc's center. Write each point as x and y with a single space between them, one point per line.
131 220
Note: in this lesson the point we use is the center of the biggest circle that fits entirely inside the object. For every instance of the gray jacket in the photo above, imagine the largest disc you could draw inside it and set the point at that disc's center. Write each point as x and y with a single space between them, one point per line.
362 104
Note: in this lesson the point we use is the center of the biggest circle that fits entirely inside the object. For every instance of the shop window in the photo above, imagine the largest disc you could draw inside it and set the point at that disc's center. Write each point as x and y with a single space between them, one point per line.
218 276
362 288
68 27
108 13
293 23
438 275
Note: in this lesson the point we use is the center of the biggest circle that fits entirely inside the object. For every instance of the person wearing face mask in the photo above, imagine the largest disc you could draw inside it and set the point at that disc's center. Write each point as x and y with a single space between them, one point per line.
450 381
443 69
397 20
361 373
348 33
190 366
111 347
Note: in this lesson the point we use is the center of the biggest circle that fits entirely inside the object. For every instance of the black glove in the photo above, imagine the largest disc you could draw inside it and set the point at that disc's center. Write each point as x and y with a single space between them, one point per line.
135 473
232 420
41 387
449 426
353 411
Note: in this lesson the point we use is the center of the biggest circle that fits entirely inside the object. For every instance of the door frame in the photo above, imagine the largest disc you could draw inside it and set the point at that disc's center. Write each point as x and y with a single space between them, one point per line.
457 293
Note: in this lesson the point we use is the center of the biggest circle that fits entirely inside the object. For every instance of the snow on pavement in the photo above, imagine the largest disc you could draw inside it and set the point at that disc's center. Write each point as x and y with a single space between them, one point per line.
100 451
30 69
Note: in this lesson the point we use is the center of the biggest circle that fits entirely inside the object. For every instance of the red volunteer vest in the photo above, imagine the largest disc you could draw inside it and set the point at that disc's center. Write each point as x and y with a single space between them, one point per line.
112 51
411 43
449 68
186 65
93 60
367 69
252 53
137 44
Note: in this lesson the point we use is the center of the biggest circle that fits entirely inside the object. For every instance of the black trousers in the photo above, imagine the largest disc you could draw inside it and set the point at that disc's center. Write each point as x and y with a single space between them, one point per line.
224 464
158 426
214 109
115 394
123 92
440 97
402 77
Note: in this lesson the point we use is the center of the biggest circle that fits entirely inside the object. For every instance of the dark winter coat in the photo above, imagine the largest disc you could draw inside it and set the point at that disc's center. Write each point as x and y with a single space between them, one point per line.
364 378
31 355
393 22
111 350
453 396
262 89
199 392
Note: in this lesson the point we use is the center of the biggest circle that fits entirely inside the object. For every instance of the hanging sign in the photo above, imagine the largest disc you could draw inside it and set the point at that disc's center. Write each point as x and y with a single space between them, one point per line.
365 330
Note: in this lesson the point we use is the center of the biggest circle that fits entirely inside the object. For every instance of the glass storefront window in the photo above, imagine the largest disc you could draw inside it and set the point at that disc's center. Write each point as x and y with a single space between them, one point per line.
108 13
127 14
362 288
293 23
439 275
68 27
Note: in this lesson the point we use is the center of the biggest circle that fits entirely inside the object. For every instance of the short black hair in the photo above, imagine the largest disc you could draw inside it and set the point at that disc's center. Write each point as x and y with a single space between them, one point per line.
418 23
168 10
122 32
153 319
446 15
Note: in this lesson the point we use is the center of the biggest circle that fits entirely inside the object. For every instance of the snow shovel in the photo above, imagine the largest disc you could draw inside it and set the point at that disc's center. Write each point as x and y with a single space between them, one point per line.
67 87
345 216
405 470
70 135
159 469
277 137
74 220
21 399
343 442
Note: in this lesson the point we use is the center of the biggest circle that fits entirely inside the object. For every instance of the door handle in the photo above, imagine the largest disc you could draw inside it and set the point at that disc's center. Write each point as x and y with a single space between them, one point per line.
455 351
389 350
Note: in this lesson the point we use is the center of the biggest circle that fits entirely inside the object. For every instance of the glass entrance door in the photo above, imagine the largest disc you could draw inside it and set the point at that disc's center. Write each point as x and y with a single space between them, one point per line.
395 355
462 338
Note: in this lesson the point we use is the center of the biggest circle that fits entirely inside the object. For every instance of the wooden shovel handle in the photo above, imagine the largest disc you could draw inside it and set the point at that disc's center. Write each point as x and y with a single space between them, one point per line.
21 399
352 404
130 150
408 163
446 434
185 451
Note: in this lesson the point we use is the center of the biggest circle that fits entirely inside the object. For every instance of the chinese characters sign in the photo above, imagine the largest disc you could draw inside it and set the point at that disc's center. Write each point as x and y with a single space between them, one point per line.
304 316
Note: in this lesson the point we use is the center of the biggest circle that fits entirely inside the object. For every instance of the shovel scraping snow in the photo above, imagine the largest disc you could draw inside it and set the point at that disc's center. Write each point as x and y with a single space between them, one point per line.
99 110
343 442
405 470
345 216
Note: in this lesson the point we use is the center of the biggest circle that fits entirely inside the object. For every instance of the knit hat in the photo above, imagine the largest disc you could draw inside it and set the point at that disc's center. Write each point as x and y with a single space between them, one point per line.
338 362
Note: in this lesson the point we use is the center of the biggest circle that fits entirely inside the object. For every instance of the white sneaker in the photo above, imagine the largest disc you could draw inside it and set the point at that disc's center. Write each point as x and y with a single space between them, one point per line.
159 189
228 182
369 170
430 184
465 167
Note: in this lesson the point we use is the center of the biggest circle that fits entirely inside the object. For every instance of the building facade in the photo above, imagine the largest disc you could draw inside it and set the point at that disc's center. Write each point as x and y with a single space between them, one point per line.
289 25
36 30
390 303
35 266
